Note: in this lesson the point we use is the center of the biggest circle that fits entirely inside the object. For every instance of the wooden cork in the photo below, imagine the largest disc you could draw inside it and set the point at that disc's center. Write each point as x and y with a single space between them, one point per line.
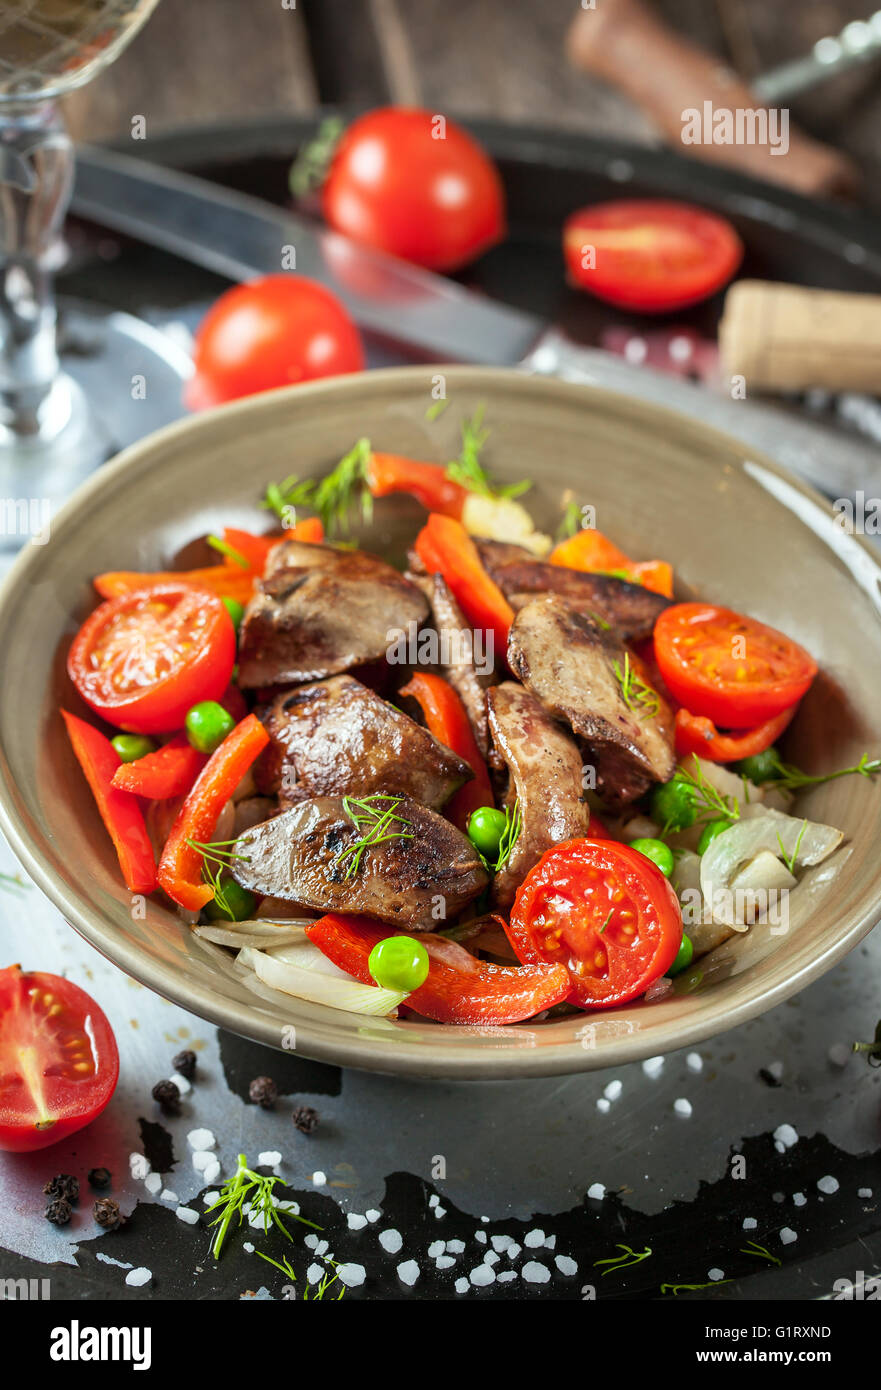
788 338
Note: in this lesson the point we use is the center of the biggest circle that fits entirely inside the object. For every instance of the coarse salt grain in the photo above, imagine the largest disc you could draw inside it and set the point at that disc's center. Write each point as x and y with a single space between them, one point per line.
565 1264
864 1192
652 1066
613 1090
210 1198
682 1107
535 1273
482 1276
138 1277
436 1248
444 1262
248 1247
439 1212
506 1276
355 1222
202 1159
319 1179
455 1247
212 1172
351 1275
513 1251
694 1061
480 1237
787 1235
315 1273
153 1183
433 1200
169 1196
596 1191
201 1139
749 1223
799 1199
461 1286
550 1242
491 1257
828 1184
603 1105
408 1273
775 1069
391 1241
839 1054
373 1215
270 1159
715 1275
500 1243
786 1135
533 1239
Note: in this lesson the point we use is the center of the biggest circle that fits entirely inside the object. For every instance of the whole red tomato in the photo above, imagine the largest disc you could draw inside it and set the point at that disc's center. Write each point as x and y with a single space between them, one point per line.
273 332
416 185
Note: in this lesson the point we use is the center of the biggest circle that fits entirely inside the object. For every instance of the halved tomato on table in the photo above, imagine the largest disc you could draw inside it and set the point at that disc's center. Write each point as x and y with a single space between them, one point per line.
651 255
605 912
143 659
59 1062
734 670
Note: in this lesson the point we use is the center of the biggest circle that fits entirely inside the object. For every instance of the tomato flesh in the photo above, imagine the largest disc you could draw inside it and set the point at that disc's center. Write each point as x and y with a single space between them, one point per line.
59 1062
143 659
650 255
605 912
734 670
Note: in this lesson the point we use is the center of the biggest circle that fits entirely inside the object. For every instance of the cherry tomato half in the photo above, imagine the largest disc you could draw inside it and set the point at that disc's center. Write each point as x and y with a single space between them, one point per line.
603 910
650 255
58 1059
273 332
416 185
143 659
734 670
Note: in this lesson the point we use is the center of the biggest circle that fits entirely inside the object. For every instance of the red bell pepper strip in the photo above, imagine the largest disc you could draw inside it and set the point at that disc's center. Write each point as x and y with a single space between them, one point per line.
180 867
459 988
255 549
168 772
592 551
444 547
119 810
427 482
226 581
697 734
446 719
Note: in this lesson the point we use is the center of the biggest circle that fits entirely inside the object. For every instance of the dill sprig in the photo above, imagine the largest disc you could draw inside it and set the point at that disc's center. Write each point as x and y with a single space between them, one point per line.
436 409
224 547
216 859
468 471
377 820
675 1289
247 1186
333 498
639 697
709 802
789 859
790 778
510 835
759 1252
570 521
630 1257
13 881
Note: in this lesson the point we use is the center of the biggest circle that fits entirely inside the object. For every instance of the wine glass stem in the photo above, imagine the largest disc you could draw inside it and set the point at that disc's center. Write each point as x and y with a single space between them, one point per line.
36 174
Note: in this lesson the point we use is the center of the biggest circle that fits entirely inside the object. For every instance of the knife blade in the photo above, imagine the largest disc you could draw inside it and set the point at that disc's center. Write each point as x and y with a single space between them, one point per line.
240 237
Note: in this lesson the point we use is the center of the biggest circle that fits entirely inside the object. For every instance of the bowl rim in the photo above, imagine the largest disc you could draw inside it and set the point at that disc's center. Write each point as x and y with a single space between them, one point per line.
362 1053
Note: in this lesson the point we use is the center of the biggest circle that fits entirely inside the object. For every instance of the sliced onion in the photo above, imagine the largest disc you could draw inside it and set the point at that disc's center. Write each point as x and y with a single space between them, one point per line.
320 988
503 519
763 875
252 933
804 842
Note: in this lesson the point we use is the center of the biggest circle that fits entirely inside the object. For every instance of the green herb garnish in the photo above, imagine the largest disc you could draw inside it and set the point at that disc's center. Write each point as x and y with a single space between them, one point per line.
710 802
469 472
333 497
607 921
217 543
639 697
216 859
758 1252
630 1257
790 778
437 408
675 1289
13 881
248 1186
322 1288
510 835
368 813
571 521
789 859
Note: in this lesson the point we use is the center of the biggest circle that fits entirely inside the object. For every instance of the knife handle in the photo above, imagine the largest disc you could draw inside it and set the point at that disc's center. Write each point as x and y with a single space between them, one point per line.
625 44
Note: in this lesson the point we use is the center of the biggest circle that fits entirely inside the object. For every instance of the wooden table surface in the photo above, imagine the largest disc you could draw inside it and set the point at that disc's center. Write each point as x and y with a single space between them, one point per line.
202 61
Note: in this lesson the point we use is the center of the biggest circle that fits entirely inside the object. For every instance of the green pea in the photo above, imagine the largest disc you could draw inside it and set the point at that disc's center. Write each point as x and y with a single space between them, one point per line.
399 962
235 610
240 904
673 804
657 852
709 833
761 767
130 747
684 956
485 828
207 725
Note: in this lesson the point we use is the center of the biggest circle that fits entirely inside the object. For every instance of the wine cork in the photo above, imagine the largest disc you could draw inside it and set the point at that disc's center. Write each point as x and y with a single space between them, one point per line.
788 338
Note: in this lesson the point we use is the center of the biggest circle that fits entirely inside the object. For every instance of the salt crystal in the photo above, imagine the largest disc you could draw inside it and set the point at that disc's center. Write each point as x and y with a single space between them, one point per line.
682 1107
533 1239
319 1179
750 1223
550 1242
436 1249
408 1273
138 1167
828 1185
694 1061
456 1247
506 1276
356 1222
212 1171
613 1090
293 1207
864 1192
433 1200
202 1158
444 1262
439 1212
513 1251
839 1054
153 1183
180 1082
480 1237
535 1273
138 1277
352 1276
566 1265
596 1191
787 1235
485 1220
374 1215
775 1069
391 1241
315 1273
715 1275
786 1135
201 1139
799 1199
603 1105
491 1257
322 1247
482 1275
169 1196
248 1247
210 1198
259 1220
270 1159
652 1066
461 1286
501 1243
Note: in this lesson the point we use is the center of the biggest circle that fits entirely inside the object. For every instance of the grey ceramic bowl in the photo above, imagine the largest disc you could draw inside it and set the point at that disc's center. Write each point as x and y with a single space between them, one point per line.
738 532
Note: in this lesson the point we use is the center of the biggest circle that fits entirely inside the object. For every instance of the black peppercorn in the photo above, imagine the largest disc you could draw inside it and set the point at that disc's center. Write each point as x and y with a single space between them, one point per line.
305 1119
263 1092
59 1212
185 1064
63 1185
168 1096
106 1213
100 1177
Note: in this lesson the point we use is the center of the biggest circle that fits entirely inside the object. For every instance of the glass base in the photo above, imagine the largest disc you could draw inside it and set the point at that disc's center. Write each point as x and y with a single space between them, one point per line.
120 380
